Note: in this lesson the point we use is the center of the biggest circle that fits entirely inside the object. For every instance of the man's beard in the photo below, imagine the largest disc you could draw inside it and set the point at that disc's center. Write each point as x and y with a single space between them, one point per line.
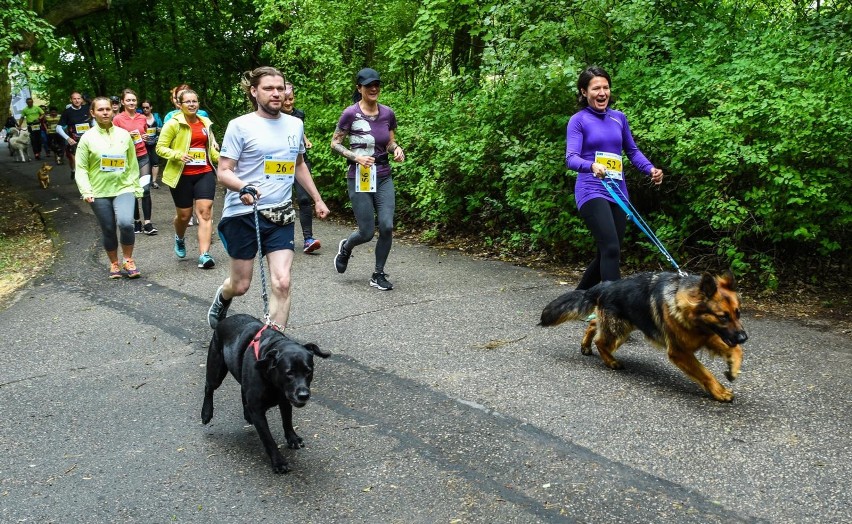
268 110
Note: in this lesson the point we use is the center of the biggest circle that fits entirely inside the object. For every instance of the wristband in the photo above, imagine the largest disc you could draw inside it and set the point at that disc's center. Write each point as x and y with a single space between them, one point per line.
249 189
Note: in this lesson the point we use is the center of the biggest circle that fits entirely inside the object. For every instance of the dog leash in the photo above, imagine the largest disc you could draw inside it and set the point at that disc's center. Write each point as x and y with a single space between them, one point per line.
250 190
633 215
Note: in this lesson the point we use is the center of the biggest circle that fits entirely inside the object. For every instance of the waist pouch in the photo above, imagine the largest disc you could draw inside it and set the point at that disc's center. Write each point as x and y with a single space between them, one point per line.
281 214
380 160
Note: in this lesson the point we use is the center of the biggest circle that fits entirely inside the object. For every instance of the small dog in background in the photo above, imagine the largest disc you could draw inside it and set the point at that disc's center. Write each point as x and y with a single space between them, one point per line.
44 175
20 146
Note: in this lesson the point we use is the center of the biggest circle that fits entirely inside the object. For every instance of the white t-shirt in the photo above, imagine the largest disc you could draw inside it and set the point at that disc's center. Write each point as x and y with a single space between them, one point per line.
265 150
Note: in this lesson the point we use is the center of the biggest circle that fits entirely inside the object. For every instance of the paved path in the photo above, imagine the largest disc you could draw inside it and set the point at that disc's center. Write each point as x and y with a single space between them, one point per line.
443 401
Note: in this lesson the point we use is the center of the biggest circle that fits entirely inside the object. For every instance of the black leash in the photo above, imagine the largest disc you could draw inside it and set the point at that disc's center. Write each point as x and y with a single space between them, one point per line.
251 190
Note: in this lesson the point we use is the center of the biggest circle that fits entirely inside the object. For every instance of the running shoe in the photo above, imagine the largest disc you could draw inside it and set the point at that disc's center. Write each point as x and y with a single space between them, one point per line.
191 221
180 247
149 229
205 261
114 270
130 268
311 245
218 309
137 227
155 185
342 258
380 281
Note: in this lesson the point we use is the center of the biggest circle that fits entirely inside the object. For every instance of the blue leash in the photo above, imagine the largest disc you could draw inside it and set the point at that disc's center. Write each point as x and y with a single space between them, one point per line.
632 214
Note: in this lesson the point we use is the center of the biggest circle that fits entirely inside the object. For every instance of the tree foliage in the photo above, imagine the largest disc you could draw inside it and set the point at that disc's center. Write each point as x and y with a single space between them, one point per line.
745 105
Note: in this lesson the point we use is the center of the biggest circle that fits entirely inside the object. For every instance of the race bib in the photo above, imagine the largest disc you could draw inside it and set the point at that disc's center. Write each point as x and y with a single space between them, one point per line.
278 167
199 156
51 128
151 131
113 163
34 127
366 179
612 163
137 138
81 128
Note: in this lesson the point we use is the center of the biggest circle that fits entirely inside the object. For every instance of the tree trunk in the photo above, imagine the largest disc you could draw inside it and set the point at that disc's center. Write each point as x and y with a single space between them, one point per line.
5 88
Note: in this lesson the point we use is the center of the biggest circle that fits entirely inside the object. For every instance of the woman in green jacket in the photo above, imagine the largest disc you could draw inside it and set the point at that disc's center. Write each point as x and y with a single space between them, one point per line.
107 175
186 143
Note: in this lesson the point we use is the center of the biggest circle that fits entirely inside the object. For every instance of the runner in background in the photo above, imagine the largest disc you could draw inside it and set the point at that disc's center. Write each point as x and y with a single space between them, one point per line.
31 117
54 141
306 205
75 120
134 123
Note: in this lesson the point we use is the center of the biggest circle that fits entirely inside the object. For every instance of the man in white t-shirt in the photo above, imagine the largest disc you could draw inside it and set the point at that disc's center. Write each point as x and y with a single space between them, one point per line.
261 154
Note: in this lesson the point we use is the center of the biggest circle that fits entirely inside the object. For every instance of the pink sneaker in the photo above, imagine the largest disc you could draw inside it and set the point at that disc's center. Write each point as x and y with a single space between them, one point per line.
130 268
114 270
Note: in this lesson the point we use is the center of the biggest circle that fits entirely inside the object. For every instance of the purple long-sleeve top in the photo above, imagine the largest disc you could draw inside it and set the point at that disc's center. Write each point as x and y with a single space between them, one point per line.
590 131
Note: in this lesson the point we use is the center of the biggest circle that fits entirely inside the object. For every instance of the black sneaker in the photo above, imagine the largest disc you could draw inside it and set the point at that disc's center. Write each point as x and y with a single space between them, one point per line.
149 229
380 281
137 227
218 309
342 258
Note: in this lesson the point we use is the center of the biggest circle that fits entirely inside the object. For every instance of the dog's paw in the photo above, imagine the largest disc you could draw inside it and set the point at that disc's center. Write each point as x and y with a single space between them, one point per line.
294 441
586 350
614 364
280 466
731 375
723 394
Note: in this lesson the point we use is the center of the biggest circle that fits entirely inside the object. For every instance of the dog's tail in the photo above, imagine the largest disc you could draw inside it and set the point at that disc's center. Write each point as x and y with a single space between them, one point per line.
570 306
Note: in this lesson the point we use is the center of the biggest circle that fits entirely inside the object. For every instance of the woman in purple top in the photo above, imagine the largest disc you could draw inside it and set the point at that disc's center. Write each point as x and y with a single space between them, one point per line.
595 138
371 130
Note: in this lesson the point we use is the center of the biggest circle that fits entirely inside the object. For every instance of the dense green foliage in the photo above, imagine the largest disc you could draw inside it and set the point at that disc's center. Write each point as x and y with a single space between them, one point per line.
746 106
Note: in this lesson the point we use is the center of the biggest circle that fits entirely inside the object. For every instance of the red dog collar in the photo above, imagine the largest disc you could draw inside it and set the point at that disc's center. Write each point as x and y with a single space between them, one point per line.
255 342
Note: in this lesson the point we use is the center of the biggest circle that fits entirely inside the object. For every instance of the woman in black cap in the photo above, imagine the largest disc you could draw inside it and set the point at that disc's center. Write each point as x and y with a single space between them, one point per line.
370 128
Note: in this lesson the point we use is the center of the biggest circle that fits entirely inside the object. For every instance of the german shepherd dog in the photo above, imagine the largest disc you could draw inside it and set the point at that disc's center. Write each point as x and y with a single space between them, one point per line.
679 313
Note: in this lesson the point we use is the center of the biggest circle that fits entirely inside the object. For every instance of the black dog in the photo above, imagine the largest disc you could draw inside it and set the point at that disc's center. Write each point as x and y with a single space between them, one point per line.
273 371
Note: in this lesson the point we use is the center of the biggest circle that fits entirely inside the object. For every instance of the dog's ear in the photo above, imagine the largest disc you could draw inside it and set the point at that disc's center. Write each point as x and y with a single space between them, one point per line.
726 280
708 285
315 349
269 360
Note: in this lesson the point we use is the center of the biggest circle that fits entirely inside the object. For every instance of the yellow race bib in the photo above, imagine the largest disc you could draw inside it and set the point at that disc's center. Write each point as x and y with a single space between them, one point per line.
612 162
366 179
113 163
278 166
199 156
136 136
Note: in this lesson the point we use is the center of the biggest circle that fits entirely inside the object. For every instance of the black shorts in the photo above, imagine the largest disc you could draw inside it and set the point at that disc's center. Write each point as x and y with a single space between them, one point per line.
152 153
239 236
194 187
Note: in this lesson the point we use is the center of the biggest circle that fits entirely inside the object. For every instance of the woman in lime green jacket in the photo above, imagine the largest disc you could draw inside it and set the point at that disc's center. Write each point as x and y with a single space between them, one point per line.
187 144
107 175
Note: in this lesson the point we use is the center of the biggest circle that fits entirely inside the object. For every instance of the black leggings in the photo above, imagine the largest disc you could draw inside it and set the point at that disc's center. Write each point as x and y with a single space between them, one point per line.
306 211
607 223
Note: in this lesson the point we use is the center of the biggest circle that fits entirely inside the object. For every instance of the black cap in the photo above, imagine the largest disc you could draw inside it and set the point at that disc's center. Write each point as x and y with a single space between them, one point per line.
114 99
367 76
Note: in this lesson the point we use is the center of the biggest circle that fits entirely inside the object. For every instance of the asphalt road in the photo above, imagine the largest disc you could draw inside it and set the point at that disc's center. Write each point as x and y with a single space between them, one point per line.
443 401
